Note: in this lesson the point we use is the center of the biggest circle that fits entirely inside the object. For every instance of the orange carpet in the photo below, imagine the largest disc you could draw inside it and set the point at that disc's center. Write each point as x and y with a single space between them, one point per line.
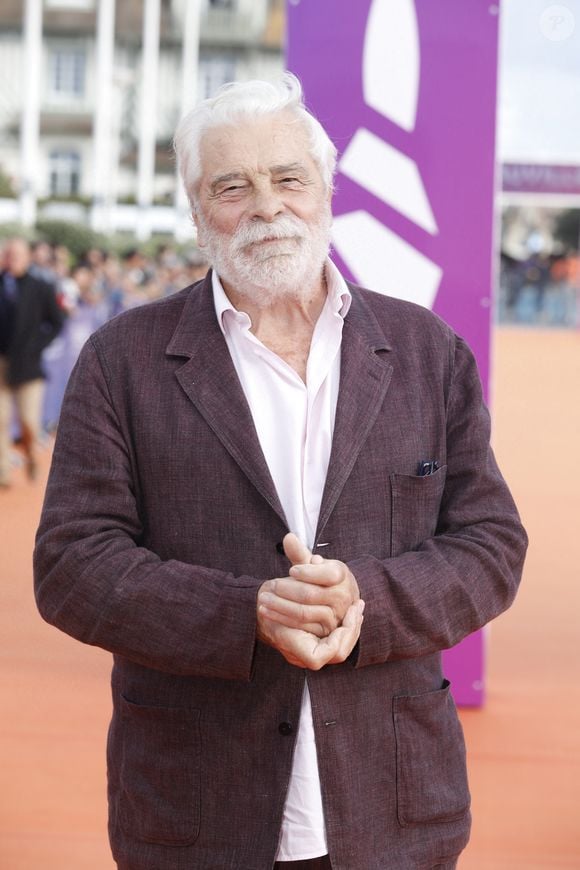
524 747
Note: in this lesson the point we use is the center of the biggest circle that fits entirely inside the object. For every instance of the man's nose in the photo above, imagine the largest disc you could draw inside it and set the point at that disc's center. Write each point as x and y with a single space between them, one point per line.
267 204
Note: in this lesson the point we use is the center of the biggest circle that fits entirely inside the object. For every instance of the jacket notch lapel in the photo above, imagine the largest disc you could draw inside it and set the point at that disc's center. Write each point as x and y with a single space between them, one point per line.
209 379
365 376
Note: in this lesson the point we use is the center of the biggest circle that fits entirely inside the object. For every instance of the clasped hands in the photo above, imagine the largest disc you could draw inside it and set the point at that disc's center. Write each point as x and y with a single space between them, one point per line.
314 616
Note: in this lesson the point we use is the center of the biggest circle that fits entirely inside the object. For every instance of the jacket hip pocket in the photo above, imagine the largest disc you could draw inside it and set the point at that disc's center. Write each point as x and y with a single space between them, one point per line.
159 773
431 766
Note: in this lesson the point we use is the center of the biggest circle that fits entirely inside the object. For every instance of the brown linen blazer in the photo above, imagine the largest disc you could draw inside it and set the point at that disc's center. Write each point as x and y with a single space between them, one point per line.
160 523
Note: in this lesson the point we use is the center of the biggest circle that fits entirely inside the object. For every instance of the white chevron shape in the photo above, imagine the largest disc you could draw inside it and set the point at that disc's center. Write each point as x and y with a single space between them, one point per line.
382 261
390 175
391 61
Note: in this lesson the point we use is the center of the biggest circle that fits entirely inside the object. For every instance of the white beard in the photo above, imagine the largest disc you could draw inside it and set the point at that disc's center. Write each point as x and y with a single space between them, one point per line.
273 270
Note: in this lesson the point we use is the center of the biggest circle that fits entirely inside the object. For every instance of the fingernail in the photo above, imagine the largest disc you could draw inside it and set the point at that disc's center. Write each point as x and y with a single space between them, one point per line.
361 605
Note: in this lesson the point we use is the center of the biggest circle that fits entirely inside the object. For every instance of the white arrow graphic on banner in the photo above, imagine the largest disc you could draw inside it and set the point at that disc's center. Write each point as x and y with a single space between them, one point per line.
391 62
388 174
376 256
382 260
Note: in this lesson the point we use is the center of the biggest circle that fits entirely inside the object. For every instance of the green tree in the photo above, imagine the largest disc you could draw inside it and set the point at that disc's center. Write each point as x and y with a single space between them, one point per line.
76 237
6 189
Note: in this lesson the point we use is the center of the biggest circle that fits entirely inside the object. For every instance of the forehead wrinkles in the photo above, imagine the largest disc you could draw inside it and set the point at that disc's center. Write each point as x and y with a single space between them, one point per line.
255 146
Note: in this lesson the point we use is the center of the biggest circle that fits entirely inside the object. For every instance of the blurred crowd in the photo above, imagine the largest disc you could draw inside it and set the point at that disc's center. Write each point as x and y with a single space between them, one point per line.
107 283
98 284
50 303
541 290
95 288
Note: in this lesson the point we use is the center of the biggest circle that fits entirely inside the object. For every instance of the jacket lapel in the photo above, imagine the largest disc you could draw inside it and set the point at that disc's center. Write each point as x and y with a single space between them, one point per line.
209 379
365 375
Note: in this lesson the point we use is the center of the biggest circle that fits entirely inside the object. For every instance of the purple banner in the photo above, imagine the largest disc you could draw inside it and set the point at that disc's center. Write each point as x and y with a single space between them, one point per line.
407 91
540 178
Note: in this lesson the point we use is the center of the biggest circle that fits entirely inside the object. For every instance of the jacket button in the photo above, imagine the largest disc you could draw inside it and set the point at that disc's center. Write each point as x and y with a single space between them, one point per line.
280 548
285 728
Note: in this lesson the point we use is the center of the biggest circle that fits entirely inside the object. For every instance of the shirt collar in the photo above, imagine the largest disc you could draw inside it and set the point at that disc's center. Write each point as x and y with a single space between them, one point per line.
223 306
339 297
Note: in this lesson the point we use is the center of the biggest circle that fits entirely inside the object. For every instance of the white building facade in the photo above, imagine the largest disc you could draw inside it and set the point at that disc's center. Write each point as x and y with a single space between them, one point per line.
91 92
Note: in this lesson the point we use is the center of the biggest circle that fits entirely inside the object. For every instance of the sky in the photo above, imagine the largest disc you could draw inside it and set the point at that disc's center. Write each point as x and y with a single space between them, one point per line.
539 94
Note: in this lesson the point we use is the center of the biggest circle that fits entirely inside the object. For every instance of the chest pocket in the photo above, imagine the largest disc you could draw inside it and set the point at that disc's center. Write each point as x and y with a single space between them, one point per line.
415 505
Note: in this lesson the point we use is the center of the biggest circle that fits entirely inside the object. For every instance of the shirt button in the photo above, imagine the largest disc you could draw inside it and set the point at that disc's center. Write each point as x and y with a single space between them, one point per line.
285 729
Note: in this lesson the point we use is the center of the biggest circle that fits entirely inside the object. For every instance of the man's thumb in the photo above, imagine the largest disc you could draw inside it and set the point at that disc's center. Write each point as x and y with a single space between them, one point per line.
297 552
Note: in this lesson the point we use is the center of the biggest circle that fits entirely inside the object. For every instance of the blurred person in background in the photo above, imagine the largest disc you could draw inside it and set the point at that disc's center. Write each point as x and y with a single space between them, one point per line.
88 307
94 259
68 287
42 263
196 266
92 307
237 467
137 267
30 318
89 312
112 284
166 256
62 260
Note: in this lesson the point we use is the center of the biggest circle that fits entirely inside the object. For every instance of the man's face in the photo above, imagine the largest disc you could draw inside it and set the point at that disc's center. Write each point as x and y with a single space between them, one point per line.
263 213
42 254
16 257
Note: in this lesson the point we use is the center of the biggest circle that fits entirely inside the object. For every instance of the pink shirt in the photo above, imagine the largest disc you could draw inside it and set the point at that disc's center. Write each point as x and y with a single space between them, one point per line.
295 423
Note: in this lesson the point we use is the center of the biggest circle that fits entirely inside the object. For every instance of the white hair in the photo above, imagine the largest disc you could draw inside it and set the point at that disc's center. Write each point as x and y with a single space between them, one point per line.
236 101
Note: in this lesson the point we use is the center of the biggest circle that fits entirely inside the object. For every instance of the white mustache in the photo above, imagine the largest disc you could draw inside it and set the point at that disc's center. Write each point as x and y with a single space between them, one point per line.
284 227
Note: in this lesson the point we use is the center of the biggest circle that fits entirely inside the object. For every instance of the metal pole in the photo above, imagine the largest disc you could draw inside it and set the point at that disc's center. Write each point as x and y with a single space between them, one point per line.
103 117
30 122
148 105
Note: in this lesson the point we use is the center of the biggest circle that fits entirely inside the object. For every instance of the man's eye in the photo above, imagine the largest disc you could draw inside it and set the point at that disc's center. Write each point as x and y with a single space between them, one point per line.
288 180
232 190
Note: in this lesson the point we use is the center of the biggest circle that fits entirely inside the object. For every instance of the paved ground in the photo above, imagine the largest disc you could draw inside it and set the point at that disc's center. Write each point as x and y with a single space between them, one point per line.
524 747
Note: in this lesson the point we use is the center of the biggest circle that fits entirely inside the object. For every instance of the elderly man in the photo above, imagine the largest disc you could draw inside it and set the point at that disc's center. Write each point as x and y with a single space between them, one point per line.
30 318
238 468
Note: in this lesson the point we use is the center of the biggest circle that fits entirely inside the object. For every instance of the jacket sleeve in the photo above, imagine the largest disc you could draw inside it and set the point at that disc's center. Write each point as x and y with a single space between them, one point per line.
53 317
95 581
450 584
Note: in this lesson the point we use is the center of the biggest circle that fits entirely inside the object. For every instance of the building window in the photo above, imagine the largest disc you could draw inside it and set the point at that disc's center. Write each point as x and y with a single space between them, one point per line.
215 72
65 173
67 72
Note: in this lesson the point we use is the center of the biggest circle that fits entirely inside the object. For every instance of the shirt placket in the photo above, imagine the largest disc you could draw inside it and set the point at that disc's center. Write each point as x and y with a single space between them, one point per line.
325 346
